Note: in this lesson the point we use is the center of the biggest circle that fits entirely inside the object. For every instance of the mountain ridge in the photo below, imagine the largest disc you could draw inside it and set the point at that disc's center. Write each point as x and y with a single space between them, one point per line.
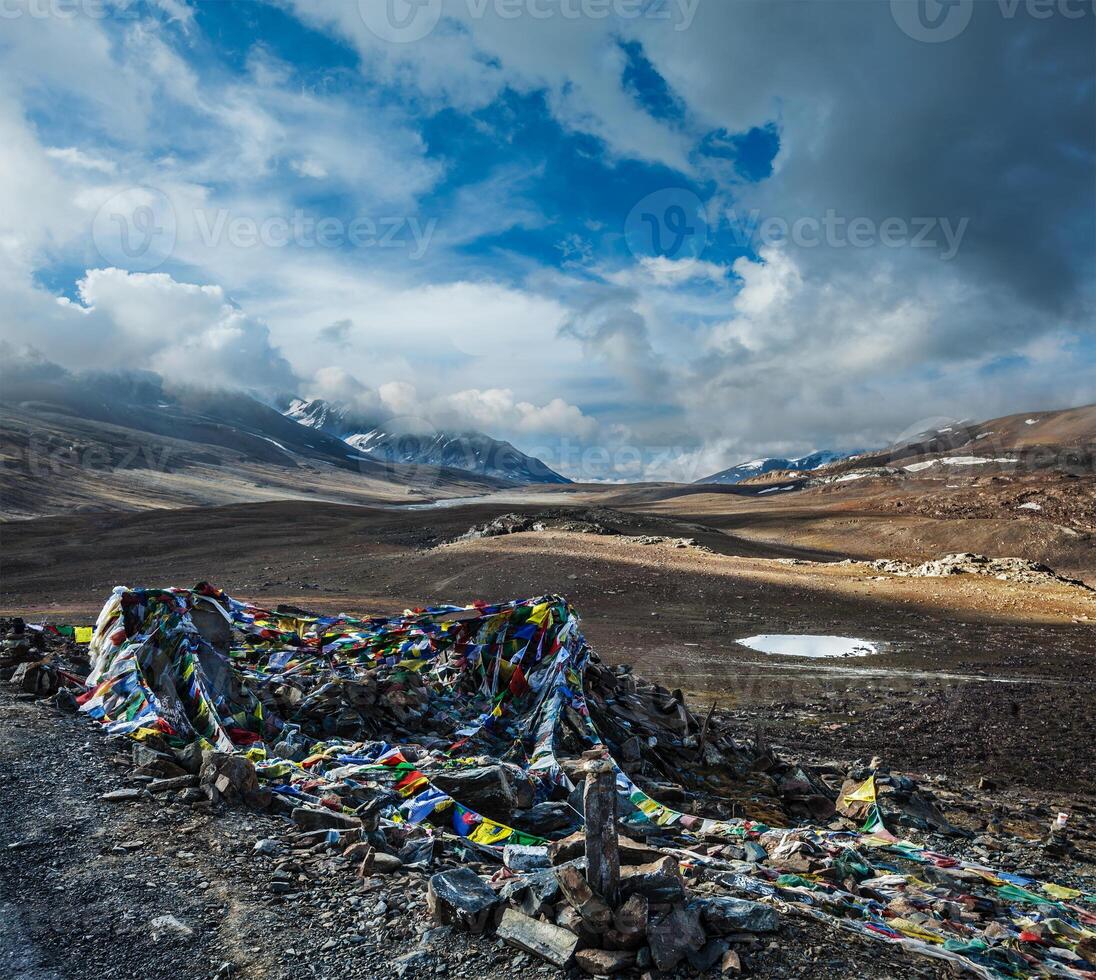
469 450
758 467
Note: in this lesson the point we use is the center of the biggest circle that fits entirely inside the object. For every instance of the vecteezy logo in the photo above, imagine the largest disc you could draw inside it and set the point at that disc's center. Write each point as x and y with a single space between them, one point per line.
668 224
932 21
135 229
400 21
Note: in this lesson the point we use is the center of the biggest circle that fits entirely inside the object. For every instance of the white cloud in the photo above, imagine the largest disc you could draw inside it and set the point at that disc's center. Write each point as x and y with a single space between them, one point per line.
479 50
495 411
309 167
77 158
701 363
668 272
185 332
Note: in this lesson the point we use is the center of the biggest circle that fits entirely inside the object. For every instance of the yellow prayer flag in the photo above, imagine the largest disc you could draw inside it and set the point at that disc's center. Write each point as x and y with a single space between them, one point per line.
1061 892
489 832
864 793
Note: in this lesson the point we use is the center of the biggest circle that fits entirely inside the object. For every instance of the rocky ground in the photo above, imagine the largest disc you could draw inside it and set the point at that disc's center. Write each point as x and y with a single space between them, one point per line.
139 885
982 689
109 869
103 879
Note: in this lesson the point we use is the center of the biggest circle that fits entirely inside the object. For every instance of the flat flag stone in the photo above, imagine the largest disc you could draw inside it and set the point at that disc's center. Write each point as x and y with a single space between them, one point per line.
549 942
123 795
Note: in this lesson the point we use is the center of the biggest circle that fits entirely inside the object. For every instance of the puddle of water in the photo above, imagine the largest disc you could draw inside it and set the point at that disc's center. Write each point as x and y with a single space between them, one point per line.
815 647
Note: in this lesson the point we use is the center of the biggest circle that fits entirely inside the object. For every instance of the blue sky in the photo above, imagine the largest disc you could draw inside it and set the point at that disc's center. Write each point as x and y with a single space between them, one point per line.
671 237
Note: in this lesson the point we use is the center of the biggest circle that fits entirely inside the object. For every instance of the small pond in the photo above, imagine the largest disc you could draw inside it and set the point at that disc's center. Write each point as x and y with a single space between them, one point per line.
815 647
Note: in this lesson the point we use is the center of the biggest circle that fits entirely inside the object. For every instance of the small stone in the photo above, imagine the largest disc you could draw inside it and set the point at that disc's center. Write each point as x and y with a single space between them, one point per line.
386 864
604 962
164 926
65 701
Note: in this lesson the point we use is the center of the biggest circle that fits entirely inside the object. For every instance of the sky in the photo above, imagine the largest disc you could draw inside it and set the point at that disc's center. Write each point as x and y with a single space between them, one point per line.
642 239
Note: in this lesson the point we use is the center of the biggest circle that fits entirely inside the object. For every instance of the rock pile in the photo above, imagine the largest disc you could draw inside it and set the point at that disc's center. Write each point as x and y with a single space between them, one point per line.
579 522
654 923
967 563
26 660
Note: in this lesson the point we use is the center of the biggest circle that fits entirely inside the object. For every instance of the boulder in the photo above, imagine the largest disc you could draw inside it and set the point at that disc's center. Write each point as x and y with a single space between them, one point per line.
724 915
703 959
659 881
569 919
461 898
533 893
229 777
631 918
490 790
631 852
521 857
545 819
615 939
673 935
37 678
315 818
65 701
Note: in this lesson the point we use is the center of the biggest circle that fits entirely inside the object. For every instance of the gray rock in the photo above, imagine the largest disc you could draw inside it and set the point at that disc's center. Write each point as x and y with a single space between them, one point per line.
605 962
673 935
386 863
311 818
174 783
532 893
127 795
65 701
521 857
166 926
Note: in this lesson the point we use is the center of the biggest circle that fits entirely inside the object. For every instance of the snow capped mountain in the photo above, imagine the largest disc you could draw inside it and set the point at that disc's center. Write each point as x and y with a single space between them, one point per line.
473 452
756 467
